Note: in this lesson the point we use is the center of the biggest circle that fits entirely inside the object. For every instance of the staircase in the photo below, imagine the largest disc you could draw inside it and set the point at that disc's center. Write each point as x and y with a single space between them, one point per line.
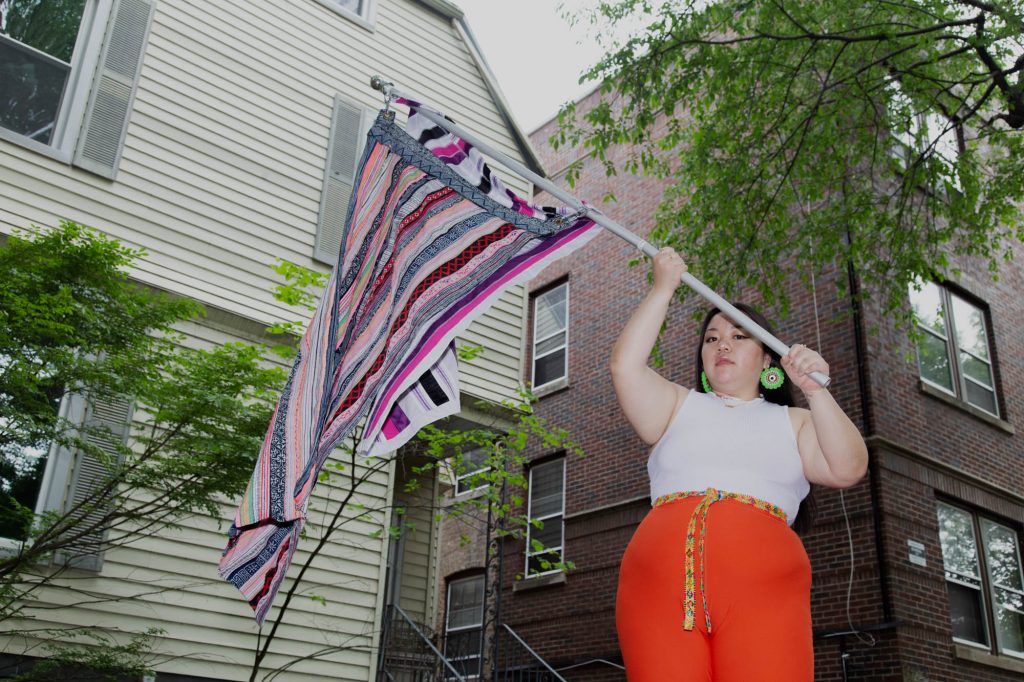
409 654
518 662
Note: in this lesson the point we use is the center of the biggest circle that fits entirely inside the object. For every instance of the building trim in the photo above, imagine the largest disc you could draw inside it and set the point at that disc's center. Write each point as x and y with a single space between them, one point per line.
901 460
532 161
967 653
461 26
614 506
964 406
538 581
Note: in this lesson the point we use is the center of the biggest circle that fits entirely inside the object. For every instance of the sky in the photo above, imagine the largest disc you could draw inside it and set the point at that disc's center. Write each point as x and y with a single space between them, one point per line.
535 55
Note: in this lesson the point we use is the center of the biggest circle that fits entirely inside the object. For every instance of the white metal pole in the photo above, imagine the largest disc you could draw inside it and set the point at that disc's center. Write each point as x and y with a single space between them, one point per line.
737 316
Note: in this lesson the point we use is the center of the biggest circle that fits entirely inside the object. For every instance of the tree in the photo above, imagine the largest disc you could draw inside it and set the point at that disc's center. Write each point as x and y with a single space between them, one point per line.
50 26
887 134
497 509
437 450
74 327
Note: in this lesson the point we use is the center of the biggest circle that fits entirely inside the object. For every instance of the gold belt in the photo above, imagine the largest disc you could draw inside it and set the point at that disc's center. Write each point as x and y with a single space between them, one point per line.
710 496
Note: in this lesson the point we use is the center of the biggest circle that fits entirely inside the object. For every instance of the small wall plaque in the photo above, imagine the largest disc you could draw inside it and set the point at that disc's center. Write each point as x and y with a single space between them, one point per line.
916 552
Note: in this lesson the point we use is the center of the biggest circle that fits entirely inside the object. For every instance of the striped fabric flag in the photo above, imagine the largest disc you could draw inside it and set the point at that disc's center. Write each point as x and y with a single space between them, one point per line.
431 239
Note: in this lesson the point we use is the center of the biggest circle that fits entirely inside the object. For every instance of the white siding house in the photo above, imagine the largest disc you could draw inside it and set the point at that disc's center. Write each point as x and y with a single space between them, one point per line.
217 135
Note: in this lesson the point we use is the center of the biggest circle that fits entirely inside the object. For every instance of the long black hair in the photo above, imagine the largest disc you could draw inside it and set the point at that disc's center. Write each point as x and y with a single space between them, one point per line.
783 395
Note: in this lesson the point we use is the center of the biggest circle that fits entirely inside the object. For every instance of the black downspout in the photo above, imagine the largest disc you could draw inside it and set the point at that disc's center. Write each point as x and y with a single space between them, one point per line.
498 618
869 431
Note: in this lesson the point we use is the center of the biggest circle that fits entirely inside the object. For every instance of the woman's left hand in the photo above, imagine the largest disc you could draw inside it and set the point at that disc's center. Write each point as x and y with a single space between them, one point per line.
799 363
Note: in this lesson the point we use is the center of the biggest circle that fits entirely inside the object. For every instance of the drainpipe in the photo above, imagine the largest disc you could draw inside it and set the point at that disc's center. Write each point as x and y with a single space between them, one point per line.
869 430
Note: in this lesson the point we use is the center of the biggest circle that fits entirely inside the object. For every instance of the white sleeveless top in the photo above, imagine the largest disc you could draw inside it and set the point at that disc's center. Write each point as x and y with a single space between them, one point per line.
749 448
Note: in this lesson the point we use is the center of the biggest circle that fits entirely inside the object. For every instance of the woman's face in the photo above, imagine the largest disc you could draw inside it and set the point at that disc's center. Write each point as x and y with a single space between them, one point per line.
733 359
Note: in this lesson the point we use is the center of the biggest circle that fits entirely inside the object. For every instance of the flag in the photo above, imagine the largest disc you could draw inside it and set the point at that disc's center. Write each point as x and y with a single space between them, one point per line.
431 239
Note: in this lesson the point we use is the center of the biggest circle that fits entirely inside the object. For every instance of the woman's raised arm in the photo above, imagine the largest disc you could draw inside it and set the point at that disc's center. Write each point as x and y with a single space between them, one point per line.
647 399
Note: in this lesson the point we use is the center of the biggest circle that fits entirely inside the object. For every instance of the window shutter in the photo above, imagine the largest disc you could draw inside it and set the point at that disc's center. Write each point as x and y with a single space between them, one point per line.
349 124
114 416
110 101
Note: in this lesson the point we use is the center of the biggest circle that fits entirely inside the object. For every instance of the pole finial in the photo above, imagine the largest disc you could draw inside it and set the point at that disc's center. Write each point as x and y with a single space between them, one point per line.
378 83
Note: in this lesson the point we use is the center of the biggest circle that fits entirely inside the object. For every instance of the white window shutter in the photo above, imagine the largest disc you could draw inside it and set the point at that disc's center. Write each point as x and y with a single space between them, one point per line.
87 473
110 101
344 149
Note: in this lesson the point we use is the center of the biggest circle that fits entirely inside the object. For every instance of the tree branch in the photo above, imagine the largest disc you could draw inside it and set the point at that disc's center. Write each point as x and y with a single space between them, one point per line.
342 505
1014 116
838 37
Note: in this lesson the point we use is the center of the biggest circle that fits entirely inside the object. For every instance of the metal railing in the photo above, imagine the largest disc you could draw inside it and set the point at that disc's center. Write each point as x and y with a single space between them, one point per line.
518 662
409 655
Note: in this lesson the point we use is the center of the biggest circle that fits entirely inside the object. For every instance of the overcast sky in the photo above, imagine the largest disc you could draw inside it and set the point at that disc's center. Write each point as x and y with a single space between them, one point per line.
534 54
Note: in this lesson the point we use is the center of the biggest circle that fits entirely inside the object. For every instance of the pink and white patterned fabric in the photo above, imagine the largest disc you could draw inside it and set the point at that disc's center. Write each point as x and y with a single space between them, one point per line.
431 240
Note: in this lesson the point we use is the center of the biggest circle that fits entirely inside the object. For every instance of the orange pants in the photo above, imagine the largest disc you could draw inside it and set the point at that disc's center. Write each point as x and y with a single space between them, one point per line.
757 586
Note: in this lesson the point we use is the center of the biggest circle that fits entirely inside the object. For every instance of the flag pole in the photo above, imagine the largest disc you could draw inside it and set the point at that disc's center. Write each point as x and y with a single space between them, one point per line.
645 247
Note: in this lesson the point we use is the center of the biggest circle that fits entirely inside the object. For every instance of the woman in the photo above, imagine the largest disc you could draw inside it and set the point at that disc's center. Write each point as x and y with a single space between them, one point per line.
715 585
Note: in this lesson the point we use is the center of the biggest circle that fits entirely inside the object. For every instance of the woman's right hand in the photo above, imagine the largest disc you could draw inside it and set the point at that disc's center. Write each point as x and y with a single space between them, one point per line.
669 267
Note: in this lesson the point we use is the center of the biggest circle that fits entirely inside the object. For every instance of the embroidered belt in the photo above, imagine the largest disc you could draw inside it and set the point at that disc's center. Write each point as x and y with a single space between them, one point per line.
700 512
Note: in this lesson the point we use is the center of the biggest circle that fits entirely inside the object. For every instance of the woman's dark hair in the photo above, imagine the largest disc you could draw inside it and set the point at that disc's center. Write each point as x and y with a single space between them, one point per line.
780 396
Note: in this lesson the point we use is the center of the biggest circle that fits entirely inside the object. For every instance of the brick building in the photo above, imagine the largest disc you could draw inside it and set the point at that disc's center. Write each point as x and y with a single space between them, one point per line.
934 591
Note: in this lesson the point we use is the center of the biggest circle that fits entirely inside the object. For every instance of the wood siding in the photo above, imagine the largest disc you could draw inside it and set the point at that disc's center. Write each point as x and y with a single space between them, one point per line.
221 174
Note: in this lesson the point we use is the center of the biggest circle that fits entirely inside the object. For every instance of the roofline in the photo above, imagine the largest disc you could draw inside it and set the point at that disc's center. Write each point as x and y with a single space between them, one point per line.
444 8
552 117
458 19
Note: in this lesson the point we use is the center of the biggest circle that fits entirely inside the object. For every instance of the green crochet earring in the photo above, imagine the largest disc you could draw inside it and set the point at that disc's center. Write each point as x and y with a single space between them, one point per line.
704 382
772 377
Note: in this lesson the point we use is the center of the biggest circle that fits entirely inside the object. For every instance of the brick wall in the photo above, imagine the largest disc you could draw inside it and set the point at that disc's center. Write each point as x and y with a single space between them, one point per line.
922 447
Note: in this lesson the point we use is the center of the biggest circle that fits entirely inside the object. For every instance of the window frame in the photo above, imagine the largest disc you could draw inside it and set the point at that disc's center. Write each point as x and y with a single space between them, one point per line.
82 68
56 474
365 18
958 375
65 467
564 378
530 553
460 477
986 587
448 629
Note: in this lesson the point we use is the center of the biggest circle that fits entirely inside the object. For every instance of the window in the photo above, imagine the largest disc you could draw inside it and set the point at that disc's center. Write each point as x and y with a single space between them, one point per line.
986 590
544 545
53 478
943 135
362 12
918 131
37 43
68 71
25 446
953 351
468 468
21 473
351 5
550 336
464 625
22 465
